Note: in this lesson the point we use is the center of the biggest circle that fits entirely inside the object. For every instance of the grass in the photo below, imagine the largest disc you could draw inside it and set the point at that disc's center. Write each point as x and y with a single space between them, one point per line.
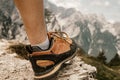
104 72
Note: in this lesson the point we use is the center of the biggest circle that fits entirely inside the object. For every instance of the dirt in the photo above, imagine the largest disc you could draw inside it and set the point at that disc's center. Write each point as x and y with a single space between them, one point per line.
14 68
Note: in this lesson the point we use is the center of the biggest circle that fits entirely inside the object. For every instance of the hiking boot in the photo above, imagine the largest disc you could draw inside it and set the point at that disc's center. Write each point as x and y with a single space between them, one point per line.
45 63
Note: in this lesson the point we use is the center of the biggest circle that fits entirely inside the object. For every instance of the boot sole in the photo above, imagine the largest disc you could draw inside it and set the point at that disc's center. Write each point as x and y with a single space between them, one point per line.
56 68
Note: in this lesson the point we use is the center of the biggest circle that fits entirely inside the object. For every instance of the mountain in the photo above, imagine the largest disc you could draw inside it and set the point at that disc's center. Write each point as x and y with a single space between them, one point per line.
91 32
11 25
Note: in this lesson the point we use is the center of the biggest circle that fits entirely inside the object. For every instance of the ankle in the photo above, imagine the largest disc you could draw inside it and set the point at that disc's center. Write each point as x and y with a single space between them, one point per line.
42 46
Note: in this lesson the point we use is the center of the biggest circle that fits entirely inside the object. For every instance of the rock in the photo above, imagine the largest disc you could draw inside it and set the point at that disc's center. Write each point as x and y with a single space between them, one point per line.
92 32
77 72
14 68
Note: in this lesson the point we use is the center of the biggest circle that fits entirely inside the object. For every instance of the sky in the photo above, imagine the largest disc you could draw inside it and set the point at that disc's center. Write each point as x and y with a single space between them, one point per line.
109 8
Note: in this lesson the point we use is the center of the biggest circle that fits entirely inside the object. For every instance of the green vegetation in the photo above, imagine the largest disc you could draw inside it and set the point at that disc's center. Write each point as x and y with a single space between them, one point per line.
115 61
110 71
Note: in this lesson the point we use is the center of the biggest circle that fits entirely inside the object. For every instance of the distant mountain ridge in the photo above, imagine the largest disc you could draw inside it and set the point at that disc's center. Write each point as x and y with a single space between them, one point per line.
91 32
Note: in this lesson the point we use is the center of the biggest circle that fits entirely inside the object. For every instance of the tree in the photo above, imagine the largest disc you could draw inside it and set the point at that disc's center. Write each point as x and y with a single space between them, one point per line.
115 61
101 57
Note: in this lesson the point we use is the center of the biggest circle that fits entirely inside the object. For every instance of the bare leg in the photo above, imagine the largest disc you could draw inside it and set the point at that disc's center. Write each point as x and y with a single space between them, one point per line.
43 65
32 13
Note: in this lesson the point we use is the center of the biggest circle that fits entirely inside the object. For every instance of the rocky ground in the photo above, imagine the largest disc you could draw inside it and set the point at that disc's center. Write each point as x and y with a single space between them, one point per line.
14 68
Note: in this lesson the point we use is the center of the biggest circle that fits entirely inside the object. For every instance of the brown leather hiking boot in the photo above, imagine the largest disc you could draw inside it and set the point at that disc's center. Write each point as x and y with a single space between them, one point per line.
46 63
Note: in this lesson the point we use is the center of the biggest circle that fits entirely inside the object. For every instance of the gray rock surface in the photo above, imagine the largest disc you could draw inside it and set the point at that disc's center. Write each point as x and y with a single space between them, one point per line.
92 32
14 68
